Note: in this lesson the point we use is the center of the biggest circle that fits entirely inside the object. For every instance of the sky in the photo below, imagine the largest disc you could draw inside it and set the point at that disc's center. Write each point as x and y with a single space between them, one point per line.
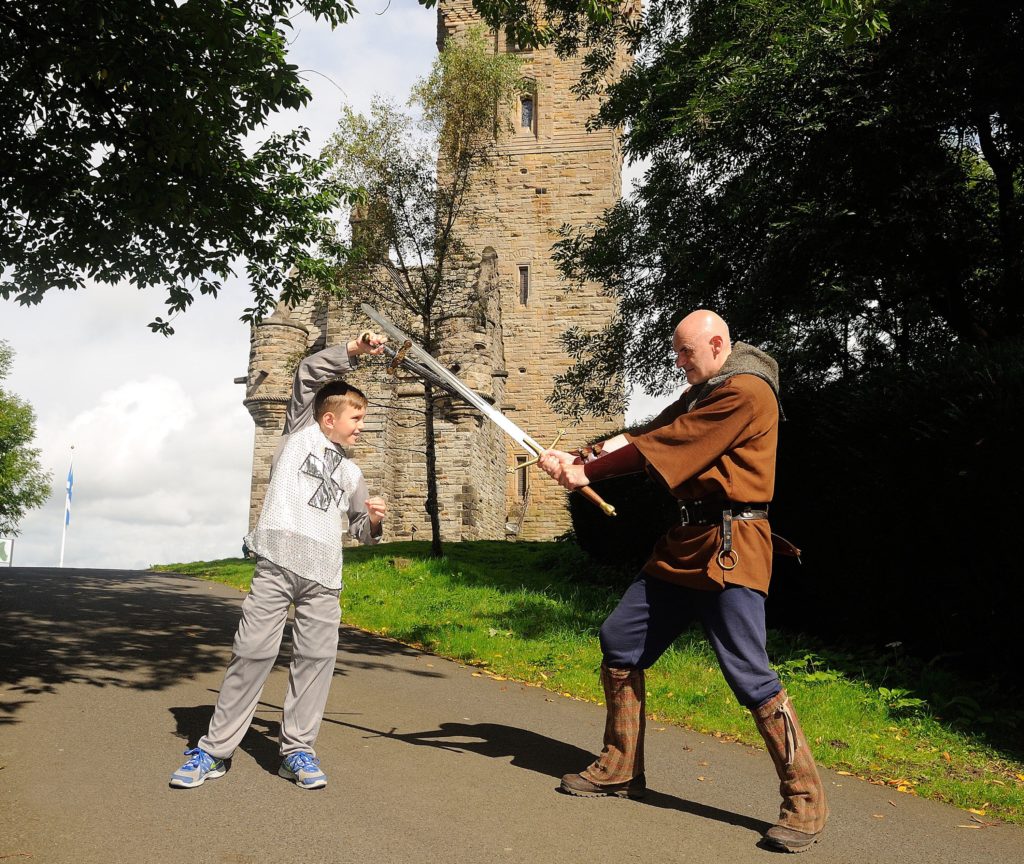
162 444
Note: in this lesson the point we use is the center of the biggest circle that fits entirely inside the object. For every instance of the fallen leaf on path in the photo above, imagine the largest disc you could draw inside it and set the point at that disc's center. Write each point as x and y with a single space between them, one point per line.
701 779
975 812
893 803
968 826
845 773
877 815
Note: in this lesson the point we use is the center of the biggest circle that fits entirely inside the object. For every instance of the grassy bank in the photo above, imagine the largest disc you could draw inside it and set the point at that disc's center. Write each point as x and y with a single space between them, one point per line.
531 611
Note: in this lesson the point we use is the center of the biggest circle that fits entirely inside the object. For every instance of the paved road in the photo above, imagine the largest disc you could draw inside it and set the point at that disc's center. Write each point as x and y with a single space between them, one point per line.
107 676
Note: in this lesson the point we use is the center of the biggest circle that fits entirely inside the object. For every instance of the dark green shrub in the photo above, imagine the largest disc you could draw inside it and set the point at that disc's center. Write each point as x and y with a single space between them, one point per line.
902 488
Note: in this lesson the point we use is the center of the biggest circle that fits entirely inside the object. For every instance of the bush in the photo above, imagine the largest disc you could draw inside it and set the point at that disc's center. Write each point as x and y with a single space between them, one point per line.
901 488
644 511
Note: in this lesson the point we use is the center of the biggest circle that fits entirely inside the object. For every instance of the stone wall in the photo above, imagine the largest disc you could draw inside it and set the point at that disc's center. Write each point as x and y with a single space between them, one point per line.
547 173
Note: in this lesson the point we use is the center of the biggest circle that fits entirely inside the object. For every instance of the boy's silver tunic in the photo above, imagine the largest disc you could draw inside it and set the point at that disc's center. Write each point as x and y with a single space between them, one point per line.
311 486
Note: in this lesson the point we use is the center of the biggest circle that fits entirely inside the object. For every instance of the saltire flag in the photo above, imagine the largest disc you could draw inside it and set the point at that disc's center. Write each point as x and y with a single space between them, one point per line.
67 499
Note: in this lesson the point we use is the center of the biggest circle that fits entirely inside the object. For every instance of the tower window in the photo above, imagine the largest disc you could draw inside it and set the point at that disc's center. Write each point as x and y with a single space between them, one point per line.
526 113
524 283
523 482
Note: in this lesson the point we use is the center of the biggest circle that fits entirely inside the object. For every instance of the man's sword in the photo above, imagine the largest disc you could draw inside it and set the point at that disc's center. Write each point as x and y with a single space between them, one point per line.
411 356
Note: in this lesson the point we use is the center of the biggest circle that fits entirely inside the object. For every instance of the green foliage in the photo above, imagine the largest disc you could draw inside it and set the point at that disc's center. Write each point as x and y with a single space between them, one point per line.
844 202
809 668
899 700
892 485
122 150
23 483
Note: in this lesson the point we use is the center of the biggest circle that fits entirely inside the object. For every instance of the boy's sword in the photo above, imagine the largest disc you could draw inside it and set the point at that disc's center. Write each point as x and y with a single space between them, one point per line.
411 356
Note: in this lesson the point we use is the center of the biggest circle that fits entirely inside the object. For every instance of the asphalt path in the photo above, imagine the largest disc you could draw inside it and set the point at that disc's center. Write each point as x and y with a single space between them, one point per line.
107 676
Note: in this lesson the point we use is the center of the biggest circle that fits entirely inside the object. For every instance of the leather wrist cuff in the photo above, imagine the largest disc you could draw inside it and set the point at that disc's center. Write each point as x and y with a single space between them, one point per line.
625 460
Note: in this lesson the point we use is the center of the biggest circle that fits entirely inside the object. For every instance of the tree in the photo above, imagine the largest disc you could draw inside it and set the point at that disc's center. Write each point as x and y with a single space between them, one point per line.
416 175
123 152
23 483
844 188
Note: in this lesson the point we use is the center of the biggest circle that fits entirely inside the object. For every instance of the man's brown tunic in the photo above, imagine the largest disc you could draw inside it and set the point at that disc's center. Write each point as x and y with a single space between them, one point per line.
722 448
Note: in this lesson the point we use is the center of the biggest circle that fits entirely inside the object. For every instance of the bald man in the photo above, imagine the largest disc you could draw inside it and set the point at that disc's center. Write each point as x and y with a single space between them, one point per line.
714 449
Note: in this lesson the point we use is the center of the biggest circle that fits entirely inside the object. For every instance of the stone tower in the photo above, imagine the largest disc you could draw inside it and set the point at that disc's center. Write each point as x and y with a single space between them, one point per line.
550 172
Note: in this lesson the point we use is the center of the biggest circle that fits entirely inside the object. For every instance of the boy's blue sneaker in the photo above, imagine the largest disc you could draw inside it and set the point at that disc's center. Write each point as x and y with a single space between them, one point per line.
200 767
304 770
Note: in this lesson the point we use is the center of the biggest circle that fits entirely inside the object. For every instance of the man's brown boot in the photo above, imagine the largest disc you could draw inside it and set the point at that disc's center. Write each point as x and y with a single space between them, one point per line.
619 770
804 809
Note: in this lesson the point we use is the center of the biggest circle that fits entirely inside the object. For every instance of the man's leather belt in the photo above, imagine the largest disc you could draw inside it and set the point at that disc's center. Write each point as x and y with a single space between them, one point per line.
712 511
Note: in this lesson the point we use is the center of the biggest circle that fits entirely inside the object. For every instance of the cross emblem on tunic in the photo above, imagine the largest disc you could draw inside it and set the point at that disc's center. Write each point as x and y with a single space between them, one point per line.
323 470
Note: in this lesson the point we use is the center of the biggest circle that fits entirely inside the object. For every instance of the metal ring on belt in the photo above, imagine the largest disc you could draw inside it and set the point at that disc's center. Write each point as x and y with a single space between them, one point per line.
727 557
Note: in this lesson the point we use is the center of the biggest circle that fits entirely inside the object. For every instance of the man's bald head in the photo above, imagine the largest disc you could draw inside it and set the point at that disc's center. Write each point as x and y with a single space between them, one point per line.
702 345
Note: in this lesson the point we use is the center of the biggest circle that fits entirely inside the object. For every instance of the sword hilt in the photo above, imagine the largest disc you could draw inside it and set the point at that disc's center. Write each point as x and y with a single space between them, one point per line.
524 465
585 491
396 361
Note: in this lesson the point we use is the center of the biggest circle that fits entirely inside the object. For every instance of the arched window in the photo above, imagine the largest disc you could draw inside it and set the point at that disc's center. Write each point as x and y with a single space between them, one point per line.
527 113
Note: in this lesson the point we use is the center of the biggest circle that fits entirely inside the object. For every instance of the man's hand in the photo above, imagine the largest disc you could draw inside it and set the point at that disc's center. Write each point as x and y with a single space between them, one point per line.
367 343
564 468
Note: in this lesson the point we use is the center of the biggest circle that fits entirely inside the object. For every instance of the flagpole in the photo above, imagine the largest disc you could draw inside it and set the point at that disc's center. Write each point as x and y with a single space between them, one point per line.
67 504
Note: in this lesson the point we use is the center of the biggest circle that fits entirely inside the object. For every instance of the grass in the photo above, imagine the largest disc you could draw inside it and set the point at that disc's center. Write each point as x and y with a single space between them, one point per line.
531 611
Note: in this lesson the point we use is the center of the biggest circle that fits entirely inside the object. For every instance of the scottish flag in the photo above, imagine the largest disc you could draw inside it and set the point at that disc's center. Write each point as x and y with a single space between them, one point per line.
67 499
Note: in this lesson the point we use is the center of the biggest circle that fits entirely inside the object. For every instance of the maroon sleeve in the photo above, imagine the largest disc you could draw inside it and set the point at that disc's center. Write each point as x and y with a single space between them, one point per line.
625 460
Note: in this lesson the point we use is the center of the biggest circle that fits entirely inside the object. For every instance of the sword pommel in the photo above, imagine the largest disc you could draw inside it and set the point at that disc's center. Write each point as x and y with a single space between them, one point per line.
594 498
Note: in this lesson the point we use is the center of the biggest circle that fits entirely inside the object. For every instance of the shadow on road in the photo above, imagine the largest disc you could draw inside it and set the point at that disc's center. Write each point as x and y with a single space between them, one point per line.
535 752
129 629
260 742
106 628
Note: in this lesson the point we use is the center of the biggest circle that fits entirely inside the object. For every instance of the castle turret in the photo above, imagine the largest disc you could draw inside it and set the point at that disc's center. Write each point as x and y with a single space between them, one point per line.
276 347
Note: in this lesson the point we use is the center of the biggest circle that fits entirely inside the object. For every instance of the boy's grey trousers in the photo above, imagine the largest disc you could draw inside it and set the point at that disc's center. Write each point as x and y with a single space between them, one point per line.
255 649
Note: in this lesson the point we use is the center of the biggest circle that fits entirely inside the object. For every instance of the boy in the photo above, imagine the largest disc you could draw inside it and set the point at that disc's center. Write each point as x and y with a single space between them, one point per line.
298 547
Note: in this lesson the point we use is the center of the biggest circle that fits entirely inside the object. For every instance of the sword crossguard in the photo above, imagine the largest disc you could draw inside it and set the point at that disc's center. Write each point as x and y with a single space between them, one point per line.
396 361
524 465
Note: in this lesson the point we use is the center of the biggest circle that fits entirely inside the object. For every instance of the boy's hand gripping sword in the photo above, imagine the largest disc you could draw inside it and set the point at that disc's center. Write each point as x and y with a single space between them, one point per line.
413 358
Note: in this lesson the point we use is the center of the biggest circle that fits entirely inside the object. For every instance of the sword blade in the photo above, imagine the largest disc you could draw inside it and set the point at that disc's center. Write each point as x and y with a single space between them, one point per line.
426 367
451 382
